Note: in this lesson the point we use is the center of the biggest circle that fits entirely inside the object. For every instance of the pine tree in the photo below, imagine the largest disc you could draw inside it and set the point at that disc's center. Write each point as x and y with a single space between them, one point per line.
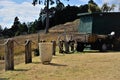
46 3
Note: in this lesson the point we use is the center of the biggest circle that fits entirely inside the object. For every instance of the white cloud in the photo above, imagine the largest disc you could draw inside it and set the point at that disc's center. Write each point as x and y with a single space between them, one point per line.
25 11
111 1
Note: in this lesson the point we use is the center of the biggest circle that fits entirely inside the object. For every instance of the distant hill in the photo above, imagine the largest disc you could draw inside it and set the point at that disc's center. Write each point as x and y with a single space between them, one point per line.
69 26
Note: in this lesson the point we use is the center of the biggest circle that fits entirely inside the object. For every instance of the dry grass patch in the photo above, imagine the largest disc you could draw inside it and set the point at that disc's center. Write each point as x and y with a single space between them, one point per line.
88 66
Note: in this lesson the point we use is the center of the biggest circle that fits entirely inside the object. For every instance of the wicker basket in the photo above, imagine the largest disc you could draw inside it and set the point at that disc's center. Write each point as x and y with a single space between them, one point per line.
46 50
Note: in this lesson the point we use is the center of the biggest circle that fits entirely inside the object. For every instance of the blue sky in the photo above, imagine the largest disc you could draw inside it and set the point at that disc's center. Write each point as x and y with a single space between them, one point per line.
26 12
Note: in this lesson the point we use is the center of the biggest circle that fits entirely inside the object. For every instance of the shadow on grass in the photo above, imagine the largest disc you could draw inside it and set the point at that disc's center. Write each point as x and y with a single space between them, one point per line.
4 79
36 62
97 51
90 51
54 64
21 70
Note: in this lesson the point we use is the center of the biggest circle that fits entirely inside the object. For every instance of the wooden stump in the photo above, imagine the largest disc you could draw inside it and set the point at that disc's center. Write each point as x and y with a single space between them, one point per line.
66 47
61 46
72 45
54 47
9 55
28 52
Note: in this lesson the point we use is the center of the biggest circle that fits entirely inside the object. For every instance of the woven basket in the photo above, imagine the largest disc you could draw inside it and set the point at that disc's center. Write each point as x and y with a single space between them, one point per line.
46 50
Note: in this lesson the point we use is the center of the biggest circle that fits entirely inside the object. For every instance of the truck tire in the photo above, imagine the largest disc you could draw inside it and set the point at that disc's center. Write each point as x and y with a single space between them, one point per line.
80 47
116 45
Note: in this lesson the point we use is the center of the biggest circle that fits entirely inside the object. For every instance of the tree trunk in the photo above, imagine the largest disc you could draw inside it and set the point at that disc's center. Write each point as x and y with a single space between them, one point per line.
47 17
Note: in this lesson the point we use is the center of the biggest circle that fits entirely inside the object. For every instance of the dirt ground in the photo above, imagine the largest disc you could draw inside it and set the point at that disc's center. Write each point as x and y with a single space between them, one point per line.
77 66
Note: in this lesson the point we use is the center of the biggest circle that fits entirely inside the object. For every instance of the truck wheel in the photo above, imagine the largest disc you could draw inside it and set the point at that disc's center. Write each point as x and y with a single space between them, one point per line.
103 47
80 47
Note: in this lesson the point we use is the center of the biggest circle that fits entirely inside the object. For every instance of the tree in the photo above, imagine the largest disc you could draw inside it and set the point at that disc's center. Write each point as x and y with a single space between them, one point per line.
23 29
1 30
18 28
84 8
106 8
15 27
29 25
69 13
112 7
92 2
93 7
90 7
7 32
46 3
60 6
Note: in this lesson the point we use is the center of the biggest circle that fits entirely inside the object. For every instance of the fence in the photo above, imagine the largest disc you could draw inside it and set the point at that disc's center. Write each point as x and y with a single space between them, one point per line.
9 52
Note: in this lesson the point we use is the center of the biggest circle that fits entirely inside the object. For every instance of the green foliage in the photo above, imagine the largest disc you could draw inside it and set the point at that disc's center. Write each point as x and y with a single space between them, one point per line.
60 6
45 2
93 7
92 2
69 13
57 15
16 29
106 8
90 7
23 29
1 30
84 8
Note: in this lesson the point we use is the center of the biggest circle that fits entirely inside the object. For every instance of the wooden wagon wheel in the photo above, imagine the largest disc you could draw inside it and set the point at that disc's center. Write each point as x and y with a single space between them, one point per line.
64 43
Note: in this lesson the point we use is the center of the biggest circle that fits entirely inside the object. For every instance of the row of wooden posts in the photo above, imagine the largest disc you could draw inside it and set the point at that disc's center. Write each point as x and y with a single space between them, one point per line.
9 51
9 54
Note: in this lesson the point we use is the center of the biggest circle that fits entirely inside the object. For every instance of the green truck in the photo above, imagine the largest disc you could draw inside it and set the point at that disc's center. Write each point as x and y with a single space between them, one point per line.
99 31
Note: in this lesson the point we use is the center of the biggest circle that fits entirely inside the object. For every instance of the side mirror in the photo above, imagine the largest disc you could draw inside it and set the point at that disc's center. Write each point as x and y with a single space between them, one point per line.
112 33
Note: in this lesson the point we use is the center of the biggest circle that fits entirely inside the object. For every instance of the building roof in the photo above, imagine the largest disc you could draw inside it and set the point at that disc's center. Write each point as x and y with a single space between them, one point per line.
98 13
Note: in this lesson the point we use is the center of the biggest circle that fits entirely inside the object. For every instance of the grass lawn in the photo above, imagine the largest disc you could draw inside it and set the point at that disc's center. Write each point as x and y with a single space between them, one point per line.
77 66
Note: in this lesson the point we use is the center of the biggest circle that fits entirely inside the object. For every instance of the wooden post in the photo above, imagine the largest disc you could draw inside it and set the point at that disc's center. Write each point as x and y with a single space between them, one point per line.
61 46
38 37
72 45
9 55
54 47
66 46
28 52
